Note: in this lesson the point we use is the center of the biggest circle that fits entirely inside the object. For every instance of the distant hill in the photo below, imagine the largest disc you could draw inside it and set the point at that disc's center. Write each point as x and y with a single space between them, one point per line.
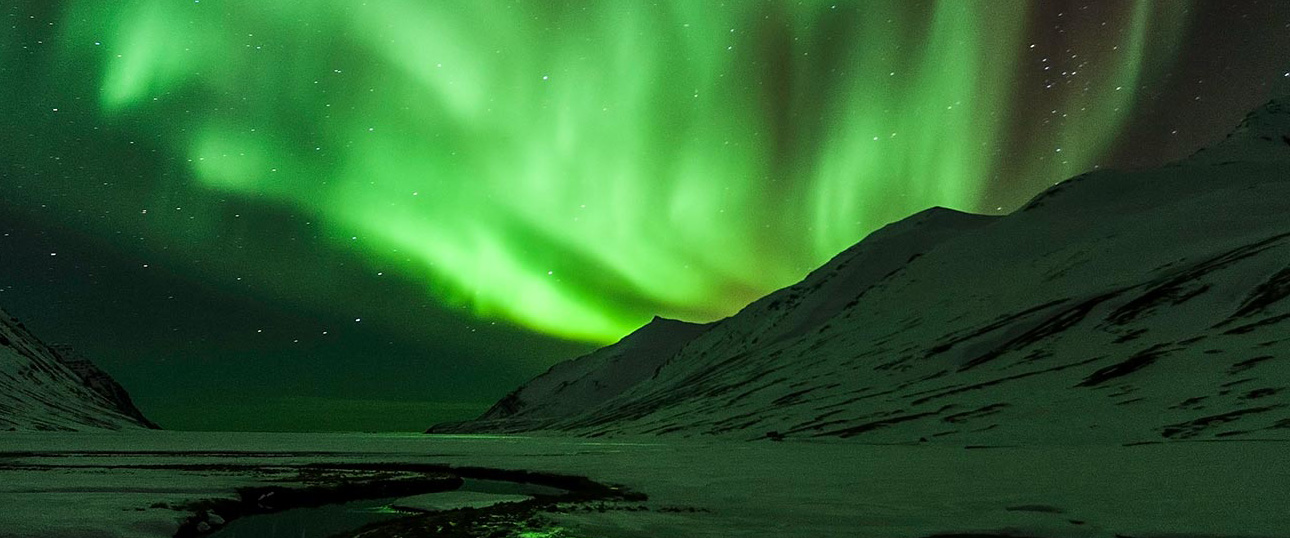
52 388
1116 306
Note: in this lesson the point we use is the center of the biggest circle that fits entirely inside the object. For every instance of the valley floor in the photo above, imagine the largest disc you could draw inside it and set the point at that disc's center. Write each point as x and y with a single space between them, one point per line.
55 485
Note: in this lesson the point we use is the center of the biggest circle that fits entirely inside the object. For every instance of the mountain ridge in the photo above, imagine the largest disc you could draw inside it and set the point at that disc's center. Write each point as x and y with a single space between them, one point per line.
54 388
1116 306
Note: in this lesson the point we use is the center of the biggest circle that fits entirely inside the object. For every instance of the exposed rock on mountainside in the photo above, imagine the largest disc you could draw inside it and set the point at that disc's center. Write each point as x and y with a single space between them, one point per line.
1115 306
51 388
100 382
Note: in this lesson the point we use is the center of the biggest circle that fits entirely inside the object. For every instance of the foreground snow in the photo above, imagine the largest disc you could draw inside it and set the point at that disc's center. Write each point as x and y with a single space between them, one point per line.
108 485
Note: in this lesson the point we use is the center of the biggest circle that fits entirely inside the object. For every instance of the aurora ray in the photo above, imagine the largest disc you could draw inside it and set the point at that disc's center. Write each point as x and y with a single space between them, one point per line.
577 167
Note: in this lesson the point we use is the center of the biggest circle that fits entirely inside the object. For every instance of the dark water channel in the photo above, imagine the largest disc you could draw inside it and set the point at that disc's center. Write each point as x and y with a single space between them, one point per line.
324 521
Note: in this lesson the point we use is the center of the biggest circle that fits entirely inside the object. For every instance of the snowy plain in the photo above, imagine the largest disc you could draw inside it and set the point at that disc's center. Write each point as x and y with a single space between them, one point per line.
62 485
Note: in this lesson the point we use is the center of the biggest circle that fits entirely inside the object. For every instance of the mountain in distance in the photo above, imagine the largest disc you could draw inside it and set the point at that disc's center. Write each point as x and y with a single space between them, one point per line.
53 388
578 385
1117 306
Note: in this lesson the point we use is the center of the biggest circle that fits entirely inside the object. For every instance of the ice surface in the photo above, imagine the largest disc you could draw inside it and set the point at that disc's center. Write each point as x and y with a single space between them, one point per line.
456 499
74 488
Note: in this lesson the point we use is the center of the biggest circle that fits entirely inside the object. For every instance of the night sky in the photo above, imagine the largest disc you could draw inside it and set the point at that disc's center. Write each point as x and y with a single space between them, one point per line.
376 215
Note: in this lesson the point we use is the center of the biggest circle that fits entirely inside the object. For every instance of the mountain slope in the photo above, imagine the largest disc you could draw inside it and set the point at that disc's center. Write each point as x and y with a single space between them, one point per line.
50 388
578 385
1114 307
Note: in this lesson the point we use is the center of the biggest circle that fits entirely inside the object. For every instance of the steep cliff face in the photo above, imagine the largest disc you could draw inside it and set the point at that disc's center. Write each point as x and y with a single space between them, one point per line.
50 388
1115 306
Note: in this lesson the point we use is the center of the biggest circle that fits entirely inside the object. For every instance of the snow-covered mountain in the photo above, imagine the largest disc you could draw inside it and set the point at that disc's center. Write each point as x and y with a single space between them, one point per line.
1116 306
46 387
579 385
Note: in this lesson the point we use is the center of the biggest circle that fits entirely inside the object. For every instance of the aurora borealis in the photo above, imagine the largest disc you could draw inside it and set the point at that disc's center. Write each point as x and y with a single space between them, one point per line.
567 170
580 168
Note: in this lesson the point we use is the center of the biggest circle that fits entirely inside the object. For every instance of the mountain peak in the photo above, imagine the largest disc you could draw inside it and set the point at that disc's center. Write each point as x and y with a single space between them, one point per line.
1263 136
1275 113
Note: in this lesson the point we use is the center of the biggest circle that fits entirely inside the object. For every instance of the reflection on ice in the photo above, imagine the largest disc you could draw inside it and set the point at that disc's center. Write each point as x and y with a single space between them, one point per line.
331 519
